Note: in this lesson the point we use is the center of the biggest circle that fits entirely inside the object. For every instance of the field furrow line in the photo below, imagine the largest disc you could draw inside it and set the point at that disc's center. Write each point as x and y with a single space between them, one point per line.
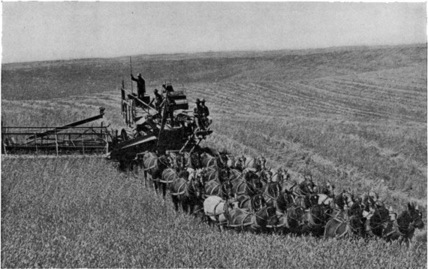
362 111
319 160
378 93
333 104
371 84
374 101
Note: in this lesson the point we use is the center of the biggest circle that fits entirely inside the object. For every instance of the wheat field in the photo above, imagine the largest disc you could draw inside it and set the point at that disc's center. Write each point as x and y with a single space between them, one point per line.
355 116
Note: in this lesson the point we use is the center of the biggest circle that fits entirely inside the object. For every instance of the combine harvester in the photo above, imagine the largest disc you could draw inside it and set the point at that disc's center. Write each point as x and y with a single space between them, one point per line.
170 127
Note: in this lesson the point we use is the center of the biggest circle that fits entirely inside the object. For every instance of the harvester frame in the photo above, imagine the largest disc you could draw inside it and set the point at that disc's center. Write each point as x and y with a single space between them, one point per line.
68 139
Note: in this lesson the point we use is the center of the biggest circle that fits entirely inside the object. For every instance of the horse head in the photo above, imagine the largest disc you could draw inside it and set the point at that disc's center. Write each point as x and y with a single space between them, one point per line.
253 181
164 161
313 199
227 189
195 160
273 190
197 184
223 174
281 176
230 161
258 202
239 163
308 185
260 163
347 199
266 175
285 199
327 189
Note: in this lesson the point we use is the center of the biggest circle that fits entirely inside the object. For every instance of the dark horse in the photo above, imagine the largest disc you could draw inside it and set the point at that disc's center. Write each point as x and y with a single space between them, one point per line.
346 223
223 190
403 227
208 160
249 183
376 220
242 220
154 165
251 203
187 190
314 220
271 191
214 173
192 160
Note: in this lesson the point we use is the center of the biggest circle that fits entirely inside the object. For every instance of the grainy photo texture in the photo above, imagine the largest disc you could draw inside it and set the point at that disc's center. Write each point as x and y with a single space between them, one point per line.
213 134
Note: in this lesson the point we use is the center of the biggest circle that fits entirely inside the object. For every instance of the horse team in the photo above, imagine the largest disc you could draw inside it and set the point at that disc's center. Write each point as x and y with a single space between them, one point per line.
242 193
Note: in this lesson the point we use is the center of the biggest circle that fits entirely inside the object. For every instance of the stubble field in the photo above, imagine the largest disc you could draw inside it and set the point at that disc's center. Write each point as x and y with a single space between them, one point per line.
353 116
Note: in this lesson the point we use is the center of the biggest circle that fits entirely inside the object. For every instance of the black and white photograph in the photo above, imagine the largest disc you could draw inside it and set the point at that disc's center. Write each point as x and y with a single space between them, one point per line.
213 134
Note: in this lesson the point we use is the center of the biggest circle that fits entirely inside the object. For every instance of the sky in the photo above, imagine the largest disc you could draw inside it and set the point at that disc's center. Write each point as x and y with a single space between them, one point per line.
35 31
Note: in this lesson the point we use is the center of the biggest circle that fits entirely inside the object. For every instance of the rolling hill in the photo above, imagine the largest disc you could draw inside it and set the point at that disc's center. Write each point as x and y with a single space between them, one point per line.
354 116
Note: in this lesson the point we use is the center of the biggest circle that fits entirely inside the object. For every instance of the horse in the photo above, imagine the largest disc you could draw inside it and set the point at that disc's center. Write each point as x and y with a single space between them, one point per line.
314 220
208 160
284 200
250 203
271 191
242 220
281 175
265 176
223 159
214 173
250 162
154 166
306 201
231 161
168 176
376 219
196 192
346 222
292 219
232 174
403 227
305 187
344 199
177 161
239 164
249 183
214 208
187 190
192 160
327 189
223 189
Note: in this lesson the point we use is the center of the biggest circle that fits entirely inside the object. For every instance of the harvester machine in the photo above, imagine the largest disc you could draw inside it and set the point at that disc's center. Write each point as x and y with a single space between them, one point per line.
168 126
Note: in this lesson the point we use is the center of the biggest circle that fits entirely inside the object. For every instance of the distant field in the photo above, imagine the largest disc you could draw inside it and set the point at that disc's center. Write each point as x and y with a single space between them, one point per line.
354 116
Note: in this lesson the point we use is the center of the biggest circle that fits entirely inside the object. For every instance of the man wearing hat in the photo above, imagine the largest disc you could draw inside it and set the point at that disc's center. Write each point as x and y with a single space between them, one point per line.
197 112
204 109
204 113
141 85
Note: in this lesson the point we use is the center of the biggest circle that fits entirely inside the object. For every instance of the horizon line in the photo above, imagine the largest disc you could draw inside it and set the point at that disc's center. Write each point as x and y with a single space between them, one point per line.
219 51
